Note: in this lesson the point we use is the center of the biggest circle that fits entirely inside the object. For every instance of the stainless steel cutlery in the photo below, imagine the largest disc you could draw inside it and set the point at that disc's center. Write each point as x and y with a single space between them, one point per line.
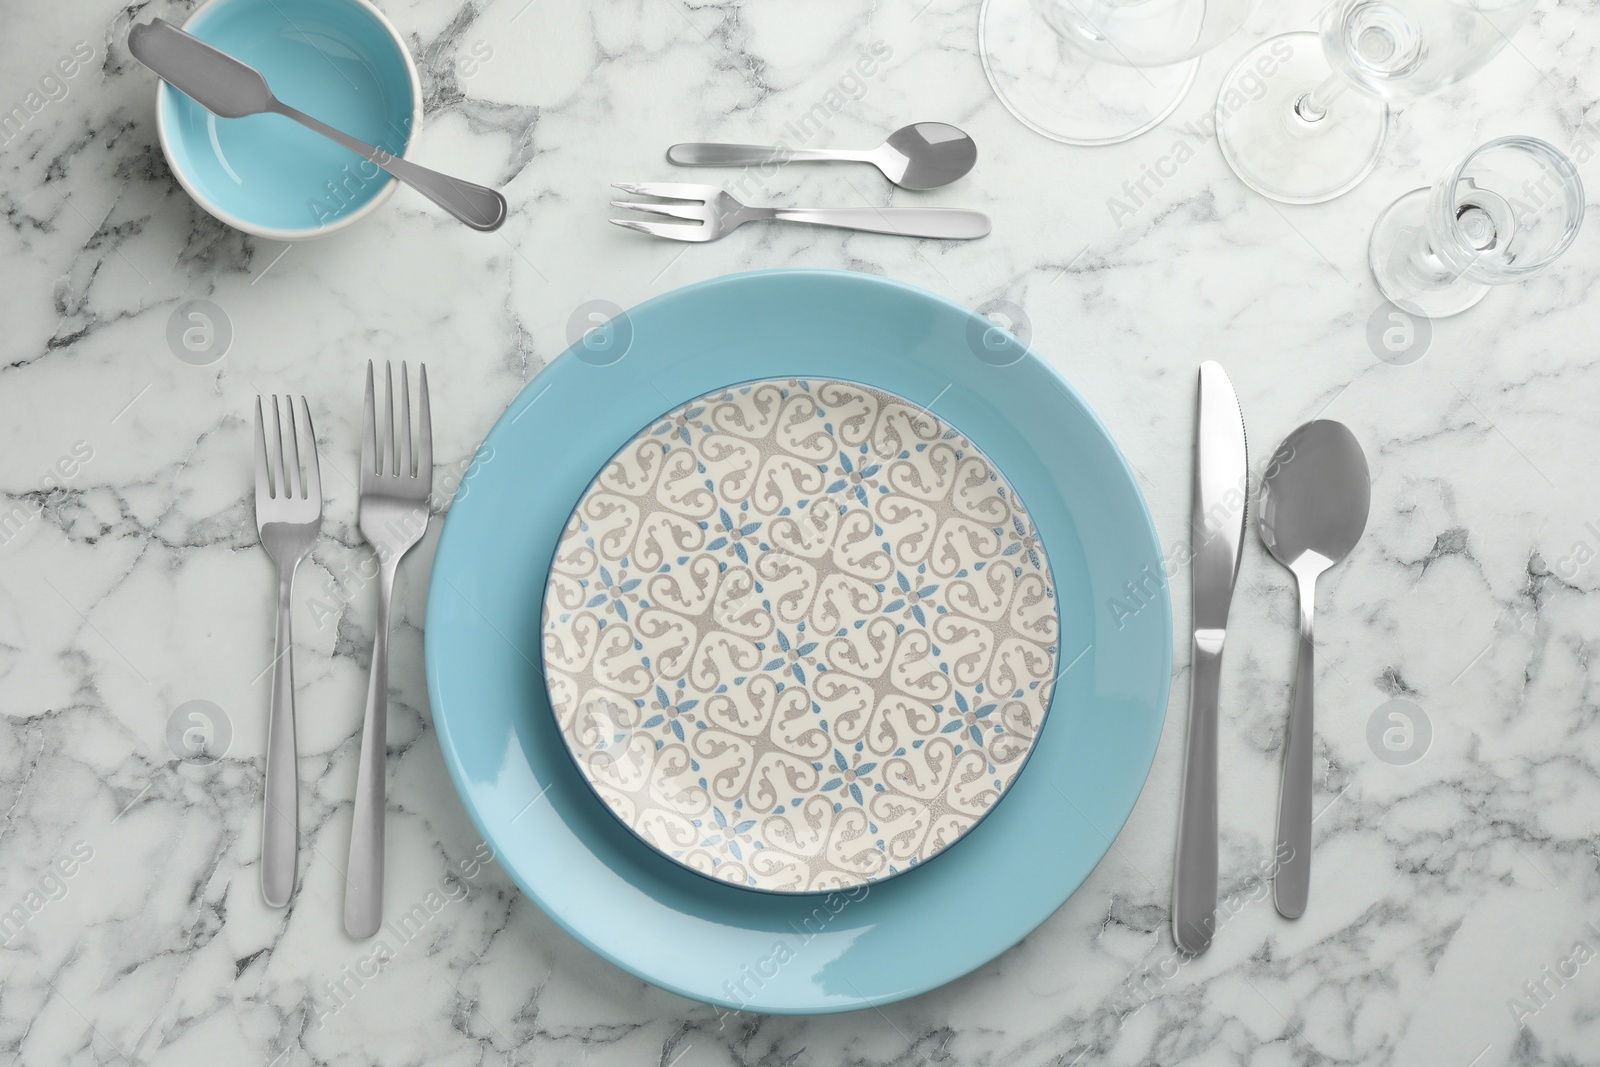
230 89
288 517
396 482
924 155
707 212
1314 504
1216 534
1313 508
395 485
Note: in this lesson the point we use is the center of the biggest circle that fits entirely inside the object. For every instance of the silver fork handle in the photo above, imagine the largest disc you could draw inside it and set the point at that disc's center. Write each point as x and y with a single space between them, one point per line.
280 812
363 890
1291 885
1194 874
949 223
699 154
477 206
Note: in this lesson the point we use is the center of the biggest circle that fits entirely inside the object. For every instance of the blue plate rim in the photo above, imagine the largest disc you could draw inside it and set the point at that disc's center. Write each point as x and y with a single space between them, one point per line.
1162 671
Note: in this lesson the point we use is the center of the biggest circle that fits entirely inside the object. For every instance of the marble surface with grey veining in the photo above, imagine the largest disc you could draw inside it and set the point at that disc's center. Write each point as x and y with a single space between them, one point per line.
1455 915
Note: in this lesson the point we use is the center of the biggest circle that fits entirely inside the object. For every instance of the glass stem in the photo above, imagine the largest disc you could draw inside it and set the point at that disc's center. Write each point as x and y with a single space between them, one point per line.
1427 271
1313 106
1423 266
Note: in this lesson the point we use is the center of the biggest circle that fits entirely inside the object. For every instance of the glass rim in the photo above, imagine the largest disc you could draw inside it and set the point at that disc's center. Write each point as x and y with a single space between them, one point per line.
1443 206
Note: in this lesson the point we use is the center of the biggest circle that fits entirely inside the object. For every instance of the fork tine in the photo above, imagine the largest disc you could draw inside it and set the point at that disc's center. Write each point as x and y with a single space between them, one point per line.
263 479
424 429
669 230
295 479
669 190
391 465
369 431
405 470
313 471
696 212
275 454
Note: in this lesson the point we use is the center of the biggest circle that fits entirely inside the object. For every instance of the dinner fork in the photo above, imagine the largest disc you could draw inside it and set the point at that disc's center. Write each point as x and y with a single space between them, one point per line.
713 213
288 516
393 517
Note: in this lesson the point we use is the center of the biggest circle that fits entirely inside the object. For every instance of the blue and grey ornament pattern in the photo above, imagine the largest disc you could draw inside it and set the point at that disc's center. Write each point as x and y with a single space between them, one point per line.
800 635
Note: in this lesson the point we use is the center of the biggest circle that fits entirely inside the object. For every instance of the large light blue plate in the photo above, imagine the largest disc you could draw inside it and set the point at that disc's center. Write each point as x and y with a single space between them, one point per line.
754 951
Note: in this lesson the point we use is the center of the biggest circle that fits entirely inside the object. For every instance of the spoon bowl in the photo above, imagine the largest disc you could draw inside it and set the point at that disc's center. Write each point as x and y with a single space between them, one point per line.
1314 504
926 155
1315 496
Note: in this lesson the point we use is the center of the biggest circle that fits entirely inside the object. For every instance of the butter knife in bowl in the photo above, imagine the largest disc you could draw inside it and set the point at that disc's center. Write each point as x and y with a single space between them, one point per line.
1216 533
231 89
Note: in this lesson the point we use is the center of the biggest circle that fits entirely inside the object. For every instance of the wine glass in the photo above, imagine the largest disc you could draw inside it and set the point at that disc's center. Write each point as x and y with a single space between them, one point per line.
1502 214
1304 138
1095 72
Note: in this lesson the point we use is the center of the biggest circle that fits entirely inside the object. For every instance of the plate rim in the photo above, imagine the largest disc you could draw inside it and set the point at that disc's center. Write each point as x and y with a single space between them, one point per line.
1163 649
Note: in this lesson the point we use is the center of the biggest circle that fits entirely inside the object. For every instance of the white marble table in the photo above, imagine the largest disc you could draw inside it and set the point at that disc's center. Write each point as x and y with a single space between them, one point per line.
131 583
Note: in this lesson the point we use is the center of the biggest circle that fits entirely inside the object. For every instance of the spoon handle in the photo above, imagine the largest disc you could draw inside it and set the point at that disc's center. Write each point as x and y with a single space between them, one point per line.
942 223
1292 883
742 155
477 206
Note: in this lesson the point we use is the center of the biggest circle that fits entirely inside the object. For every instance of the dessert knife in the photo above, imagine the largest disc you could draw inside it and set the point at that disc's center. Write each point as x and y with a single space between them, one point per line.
1216 535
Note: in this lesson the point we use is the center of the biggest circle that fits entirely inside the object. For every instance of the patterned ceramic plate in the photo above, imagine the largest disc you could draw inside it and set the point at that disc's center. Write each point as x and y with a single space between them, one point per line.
800 635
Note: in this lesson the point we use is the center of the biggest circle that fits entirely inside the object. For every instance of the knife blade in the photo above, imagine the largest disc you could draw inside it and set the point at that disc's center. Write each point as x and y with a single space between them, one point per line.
1216 536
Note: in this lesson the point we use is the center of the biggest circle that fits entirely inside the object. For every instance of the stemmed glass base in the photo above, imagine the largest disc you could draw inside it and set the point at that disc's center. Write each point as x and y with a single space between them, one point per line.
1064 94
1275 137
1407 271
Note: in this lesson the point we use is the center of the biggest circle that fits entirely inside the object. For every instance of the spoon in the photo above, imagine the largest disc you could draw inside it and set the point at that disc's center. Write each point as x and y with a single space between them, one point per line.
1314 502
924 155
230 89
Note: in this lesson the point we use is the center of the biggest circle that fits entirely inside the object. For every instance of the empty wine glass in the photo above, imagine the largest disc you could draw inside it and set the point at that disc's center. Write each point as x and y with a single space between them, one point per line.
1304 138
1094 72
1502 214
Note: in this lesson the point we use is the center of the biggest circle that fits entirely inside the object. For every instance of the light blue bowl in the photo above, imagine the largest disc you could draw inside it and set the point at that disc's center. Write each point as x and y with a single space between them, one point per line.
337 60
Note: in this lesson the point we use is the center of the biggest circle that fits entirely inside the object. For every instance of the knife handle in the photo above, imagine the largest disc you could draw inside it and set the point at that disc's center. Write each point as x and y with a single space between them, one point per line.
1194 874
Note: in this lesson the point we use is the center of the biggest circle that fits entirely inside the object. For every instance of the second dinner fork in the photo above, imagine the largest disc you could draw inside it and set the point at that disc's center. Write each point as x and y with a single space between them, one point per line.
709 212
288 517
393 517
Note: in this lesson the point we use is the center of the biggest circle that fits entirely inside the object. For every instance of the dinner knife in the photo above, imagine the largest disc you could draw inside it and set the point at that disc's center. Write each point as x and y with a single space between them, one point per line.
1216 537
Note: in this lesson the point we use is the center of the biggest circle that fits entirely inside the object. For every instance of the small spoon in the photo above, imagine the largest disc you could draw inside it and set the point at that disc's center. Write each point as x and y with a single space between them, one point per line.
230 89
1314 503
924 155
